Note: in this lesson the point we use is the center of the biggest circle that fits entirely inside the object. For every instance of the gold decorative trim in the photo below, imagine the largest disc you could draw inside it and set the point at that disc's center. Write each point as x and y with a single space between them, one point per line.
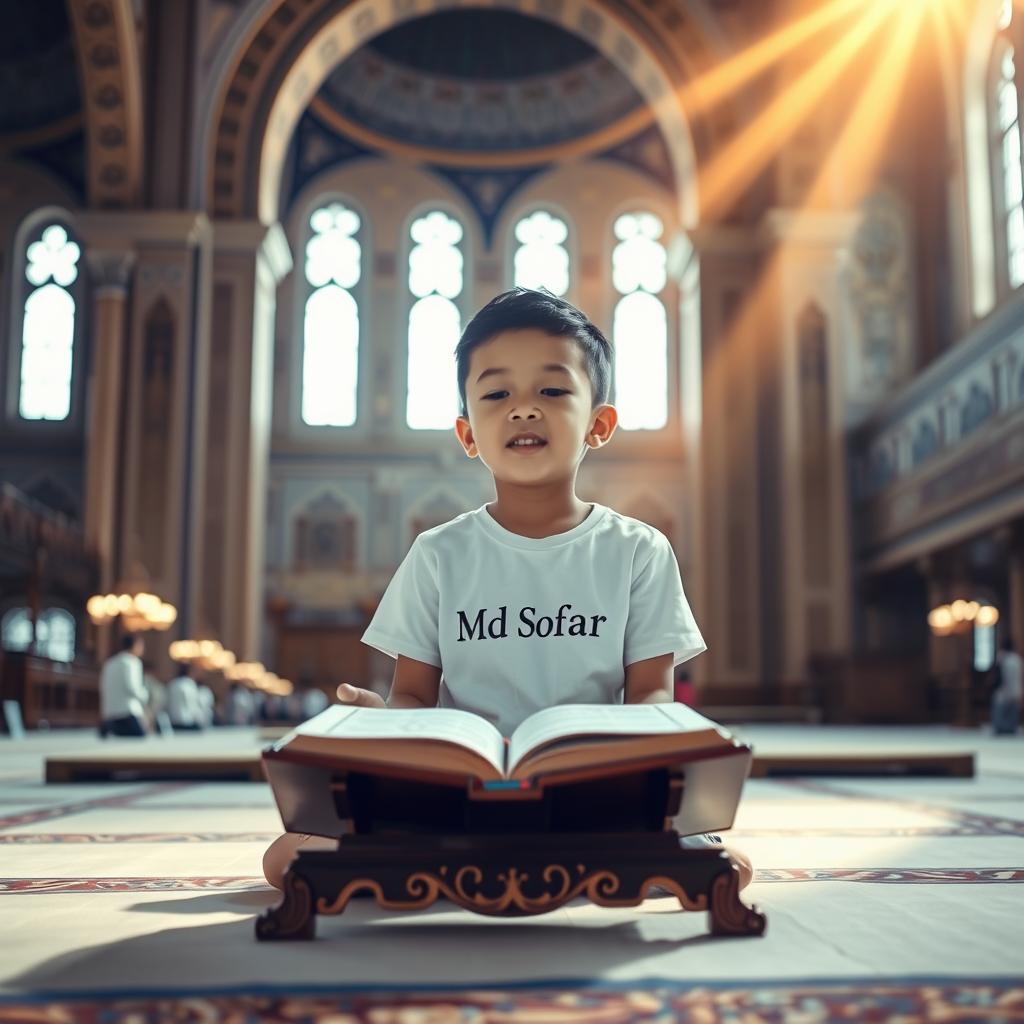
595 142
425 888
688 902
56 130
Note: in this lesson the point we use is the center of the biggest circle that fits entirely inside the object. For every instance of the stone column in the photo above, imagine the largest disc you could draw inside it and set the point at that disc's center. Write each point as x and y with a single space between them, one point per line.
145 453
164 421
109 271
250 260
808 375
950 657
1013 615
720 420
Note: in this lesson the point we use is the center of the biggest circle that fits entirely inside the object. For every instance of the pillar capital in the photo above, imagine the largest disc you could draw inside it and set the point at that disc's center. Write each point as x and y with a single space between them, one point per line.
248 237
110 270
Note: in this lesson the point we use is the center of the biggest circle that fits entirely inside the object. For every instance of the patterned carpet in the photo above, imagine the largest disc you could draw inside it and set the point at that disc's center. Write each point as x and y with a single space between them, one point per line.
887 899
542 1004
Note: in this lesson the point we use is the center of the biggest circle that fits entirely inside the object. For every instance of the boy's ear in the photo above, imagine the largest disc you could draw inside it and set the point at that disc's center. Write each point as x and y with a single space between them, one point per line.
606 419
464 433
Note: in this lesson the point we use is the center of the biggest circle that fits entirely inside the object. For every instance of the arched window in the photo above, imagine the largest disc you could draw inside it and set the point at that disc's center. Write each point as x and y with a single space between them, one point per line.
57 627
435 323
1006 147
55 633
640 323
330 349
48 326
16 630
541 259
984 647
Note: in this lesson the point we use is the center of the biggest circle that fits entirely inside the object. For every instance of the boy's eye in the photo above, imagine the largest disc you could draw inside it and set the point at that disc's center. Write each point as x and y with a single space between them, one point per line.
496 394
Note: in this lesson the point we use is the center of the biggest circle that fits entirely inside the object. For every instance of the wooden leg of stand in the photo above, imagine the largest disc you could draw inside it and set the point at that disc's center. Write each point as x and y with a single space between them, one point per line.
294 917
729 915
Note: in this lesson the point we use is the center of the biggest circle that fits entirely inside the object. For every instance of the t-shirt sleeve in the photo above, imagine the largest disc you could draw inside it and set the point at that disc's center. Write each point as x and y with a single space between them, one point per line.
405 621
660 620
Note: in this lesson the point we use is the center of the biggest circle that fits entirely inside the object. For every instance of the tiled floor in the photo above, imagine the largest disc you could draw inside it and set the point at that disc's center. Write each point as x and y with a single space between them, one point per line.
154 887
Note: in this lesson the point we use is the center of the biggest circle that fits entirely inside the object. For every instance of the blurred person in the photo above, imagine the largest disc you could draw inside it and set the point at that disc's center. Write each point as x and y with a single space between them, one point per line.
183 704
123 693
207 705
1006 697
314 700
241 705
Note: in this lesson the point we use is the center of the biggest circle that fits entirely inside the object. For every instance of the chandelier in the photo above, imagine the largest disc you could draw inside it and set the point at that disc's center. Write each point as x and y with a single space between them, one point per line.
961 617
134 603
138 612
212 657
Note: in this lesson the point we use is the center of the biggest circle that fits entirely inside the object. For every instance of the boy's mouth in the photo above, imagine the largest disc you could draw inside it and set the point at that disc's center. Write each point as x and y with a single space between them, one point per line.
527 443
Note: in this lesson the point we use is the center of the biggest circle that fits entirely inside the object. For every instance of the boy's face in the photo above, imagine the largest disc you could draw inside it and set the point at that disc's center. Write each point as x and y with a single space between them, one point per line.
531 394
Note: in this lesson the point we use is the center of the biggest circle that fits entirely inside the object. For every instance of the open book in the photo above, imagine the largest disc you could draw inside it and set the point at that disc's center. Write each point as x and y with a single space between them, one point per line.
552 741
415 755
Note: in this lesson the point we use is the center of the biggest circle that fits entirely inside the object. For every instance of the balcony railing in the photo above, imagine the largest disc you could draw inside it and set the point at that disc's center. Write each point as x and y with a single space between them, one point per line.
946 455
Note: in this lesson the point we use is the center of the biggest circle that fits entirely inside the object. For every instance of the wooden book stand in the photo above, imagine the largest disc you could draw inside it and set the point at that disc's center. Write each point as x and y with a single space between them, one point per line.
509 853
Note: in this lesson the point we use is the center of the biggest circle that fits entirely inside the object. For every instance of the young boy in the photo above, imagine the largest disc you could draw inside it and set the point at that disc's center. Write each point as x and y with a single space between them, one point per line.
537 598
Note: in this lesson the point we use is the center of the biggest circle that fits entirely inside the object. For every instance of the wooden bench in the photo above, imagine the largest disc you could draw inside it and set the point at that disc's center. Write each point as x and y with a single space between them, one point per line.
130 766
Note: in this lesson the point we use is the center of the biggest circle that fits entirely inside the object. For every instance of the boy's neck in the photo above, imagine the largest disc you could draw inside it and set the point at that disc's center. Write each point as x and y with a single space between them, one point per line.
537 515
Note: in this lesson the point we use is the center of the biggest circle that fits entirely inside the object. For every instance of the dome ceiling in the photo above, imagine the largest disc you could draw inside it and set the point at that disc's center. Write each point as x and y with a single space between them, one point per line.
487 81
38 73
482 44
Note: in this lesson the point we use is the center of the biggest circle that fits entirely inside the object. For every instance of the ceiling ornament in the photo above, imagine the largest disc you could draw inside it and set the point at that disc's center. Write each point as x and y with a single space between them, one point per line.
111 86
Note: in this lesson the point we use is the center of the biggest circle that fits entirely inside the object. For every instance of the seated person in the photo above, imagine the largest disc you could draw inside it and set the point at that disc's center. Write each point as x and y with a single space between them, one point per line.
538 598
183 704
123 693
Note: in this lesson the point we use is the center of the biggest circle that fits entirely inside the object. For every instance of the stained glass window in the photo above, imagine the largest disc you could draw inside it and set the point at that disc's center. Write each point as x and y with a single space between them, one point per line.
1008 127
542 258
55 633
48 326
640 323
435 323
330 351
16 630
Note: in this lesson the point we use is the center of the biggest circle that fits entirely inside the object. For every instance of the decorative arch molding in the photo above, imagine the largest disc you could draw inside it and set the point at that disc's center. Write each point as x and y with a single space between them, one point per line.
437 506
108 63
284 49
325 531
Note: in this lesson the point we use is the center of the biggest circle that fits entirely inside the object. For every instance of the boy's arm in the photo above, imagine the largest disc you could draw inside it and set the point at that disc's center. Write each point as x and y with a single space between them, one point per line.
649 681
414 685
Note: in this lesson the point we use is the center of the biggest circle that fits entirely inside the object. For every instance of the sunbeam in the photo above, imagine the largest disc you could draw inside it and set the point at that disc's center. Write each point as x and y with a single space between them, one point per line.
725 79
746 156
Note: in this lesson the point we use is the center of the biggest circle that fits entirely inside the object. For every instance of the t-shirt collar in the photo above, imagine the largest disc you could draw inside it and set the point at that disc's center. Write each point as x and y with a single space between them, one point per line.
492 527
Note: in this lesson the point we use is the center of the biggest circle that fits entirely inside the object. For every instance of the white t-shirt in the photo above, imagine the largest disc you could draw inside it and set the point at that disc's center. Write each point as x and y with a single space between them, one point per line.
122 690
1011 671
520 623
183 705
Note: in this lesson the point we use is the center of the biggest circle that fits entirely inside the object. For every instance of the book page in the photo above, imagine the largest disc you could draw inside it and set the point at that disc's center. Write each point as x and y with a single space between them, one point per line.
444 724
601 720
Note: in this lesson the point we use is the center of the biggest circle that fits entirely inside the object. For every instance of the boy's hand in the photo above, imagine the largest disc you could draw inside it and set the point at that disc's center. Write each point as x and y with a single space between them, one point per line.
349 694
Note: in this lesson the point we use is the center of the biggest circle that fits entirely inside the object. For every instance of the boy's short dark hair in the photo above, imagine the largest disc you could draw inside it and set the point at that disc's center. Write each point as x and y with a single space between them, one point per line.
521 309
128 641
